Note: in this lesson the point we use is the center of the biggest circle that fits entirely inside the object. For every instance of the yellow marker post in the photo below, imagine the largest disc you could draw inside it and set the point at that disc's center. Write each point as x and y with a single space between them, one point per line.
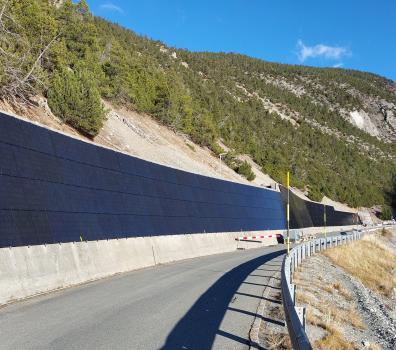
324 221
288 212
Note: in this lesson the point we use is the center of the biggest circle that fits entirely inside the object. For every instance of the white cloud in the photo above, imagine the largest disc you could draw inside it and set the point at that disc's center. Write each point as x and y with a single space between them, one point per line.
321 50
338 65
111 7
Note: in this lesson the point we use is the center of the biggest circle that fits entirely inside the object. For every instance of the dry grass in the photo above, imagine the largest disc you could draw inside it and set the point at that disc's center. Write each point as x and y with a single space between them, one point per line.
337 287
277 313
334 314
311 318
329 289
276 341
334 340
355 319
314 287
343 291
373 347
386 233
305 298
329 312
369 261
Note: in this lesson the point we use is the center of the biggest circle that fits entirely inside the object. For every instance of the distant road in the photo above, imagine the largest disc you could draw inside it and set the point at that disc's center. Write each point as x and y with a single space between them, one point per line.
204 303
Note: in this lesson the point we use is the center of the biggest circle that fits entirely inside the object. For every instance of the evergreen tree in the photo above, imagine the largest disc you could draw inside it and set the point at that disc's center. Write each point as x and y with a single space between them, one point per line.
74 97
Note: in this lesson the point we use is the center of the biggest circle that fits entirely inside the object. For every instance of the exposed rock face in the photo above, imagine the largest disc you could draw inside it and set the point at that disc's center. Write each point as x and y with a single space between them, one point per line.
379 118
362 120
57 3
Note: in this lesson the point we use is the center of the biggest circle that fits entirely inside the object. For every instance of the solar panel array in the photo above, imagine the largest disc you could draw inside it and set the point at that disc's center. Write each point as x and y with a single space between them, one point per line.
54 188
311 214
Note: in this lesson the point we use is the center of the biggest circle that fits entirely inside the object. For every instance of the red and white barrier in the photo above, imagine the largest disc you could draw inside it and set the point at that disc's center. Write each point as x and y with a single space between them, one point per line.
253 238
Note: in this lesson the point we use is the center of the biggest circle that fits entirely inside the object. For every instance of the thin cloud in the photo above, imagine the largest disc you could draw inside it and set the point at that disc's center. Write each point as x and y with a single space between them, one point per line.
338 65
111 7
321 50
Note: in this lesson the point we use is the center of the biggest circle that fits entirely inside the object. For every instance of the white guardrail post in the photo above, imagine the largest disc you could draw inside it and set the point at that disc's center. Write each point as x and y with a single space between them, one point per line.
296 324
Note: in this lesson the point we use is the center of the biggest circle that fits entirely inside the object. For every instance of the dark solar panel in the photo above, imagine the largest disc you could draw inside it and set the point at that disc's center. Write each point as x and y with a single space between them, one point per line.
310 214
54 188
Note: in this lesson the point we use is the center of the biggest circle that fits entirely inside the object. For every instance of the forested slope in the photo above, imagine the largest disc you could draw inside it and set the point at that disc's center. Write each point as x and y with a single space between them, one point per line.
333 128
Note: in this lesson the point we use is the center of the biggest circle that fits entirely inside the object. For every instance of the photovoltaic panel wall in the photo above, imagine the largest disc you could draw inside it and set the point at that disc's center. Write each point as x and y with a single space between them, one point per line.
312 214
54 188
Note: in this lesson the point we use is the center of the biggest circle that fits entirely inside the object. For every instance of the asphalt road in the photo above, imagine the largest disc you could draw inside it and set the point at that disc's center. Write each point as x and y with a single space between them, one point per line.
204 303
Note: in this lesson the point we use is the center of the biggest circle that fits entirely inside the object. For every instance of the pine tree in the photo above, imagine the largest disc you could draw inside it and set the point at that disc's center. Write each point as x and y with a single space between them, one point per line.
75 98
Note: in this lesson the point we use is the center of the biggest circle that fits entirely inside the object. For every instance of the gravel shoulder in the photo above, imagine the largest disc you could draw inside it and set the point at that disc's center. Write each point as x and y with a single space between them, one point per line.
339 303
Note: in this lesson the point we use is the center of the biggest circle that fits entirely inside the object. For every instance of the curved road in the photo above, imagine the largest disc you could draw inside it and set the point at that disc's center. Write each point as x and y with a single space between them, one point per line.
203 303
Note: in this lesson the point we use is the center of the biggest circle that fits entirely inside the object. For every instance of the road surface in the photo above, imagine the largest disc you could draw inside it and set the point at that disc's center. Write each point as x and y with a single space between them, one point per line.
203 303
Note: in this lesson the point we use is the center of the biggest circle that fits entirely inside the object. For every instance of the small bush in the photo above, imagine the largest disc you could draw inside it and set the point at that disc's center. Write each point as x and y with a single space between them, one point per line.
245 170
217 150
315 195
241 167
231 160
386 233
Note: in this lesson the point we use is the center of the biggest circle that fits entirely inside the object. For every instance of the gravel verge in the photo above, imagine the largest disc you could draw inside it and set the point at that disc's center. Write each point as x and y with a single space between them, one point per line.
364 318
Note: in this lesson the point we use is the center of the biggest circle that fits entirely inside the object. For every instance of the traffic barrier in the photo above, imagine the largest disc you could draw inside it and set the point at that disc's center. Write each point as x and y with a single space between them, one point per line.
295 323
252 238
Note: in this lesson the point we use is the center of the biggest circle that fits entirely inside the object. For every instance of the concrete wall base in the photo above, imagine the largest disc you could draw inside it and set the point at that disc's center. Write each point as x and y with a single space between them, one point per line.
28 271
317 230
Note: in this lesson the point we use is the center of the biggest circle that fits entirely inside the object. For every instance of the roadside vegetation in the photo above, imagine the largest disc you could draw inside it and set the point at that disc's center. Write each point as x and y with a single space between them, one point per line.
77 60
369 261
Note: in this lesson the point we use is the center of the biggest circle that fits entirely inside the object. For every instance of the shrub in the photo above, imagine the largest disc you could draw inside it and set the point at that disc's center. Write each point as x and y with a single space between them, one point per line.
245 169
386 213
242 168
74 97
315 195
217 150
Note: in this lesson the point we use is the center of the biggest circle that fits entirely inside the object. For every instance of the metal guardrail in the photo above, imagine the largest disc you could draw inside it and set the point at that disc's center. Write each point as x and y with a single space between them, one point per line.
295 319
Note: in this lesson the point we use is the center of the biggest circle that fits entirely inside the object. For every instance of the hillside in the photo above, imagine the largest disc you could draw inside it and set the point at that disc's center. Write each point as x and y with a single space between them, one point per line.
334 128
142 136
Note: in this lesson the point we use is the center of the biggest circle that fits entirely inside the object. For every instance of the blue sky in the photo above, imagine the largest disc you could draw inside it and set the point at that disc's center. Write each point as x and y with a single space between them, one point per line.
358 34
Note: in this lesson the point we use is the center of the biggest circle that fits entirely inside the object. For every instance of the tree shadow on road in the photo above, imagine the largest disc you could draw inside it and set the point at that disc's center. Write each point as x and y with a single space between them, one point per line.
199 326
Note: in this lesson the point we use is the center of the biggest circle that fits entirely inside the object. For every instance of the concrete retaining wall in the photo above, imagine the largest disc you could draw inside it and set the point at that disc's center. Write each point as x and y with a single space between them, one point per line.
316 230
28 271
